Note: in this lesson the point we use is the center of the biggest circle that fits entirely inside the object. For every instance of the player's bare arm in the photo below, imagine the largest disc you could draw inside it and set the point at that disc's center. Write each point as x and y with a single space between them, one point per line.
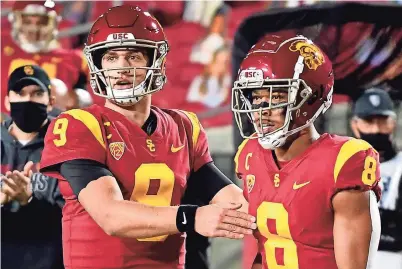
103 200
356 228
231 193
214 188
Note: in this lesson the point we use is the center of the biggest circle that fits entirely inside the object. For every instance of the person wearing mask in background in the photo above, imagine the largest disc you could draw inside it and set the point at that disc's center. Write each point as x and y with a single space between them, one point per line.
374 121
31 202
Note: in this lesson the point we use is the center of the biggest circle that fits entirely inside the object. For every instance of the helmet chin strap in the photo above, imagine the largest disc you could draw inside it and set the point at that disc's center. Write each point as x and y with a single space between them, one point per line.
39 46
273 141
278 139
33 47
120 96
128 102
127 97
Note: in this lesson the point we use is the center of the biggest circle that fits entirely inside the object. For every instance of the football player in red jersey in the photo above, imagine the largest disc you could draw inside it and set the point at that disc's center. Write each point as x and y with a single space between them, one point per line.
32 41
314 195
124 167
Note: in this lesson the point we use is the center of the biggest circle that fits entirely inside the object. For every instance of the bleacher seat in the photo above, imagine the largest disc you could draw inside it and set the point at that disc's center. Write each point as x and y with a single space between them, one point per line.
184 33
240 11
186 73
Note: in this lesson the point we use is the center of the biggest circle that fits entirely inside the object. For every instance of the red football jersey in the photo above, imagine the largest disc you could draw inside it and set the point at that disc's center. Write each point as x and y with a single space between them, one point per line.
65 65
150 169
293 204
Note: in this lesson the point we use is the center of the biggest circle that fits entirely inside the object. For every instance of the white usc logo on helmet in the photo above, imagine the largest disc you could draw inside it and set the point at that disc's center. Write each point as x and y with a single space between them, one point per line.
251 74
120 36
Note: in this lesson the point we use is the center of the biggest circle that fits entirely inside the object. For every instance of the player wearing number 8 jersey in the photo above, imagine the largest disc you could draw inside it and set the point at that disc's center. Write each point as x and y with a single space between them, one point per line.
124 167
314 196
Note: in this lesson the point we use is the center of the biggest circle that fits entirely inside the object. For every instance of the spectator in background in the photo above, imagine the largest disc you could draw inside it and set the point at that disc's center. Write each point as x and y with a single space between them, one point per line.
213 16
76 11
202 12
32 39
212 87
375 121
3 117
31 203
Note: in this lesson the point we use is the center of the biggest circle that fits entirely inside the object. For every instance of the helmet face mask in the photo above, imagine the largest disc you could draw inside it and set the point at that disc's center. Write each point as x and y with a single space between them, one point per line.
34 27
245 110
143 34
103 86
281 70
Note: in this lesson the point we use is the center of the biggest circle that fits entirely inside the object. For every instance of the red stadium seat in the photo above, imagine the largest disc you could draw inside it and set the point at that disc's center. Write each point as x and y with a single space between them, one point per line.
186 74
178 56
184 33
239 12
171 96
146 5
7 4
171 8
98 8
5 25
223 119
67 42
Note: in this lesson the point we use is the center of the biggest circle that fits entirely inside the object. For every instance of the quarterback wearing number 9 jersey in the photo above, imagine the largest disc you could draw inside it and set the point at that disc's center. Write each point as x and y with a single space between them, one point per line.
314 196
124 167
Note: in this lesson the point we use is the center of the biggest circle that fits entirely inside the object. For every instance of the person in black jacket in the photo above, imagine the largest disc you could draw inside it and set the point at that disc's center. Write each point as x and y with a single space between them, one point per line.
374 120
196 244
31 202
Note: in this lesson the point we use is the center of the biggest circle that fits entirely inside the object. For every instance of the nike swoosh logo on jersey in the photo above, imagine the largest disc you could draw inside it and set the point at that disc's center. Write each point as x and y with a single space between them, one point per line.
298 186
184 217
176 149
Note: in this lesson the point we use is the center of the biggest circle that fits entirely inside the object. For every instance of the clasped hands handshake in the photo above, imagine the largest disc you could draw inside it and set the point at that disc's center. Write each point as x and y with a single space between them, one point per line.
214 220
224 220
17 185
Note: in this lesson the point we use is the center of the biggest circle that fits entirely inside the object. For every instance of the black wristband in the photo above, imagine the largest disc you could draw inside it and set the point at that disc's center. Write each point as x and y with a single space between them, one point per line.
185 218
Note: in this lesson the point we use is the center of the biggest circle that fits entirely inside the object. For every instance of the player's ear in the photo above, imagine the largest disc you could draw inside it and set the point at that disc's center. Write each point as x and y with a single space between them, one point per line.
393 124
353 126
7 103
52 101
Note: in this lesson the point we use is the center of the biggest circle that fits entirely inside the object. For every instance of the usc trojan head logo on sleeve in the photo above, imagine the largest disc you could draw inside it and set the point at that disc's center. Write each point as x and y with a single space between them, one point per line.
250 182
28 70
312 55
117 149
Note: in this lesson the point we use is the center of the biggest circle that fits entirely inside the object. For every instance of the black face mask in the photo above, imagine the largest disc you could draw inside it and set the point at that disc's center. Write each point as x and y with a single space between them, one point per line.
382 143
28 116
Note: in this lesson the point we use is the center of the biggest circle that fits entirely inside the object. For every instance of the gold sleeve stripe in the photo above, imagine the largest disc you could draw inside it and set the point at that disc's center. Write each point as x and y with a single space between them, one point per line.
84 64
89 121
196 126
347 150
236 159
